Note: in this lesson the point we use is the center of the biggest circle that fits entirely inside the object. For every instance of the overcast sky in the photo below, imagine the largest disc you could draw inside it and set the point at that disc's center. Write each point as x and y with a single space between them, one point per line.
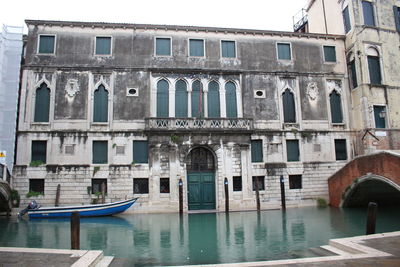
245 14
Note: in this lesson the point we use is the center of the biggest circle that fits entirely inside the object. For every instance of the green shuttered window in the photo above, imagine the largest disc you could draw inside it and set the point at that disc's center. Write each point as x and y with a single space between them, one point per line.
329 53
284 51
353 73
181 99
380 116
162 99
340 149
256 151
228 49
196 48
231 102
292 150
163 46
46 44
103 45
100 104
39 151
197 100
374 68
140 152
346 19
368 13
396 11
213 100
336 107
100 152
289 108
42 104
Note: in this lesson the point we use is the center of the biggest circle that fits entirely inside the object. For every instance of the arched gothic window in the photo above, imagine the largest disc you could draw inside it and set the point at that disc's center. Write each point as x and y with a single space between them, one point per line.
100 104
181 99
336 107
230 97
289 107
197 100
213 100
42 104
162 99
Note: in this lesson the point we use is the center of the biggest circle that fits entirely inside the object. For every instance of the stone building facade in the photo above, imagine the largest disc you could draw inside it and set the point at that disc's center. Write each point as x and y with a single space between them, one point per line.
141 108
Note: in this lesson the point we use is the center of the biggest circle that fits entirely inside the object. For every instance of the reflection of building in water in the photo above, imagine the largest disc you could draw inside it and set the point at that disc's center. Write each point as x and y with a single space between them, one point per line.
138 107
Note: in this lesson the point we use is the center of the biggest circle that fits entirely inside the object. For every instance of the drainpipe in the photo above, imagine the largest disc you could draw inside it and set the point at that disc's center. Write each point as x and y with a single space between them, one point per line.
323 7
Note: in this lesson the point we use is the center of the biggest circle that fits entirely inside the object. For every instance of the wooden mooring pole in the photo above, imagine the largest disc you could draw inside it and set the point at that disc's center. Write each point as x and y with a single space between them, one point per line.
180 196
75 230
283 197
257 187
103 193
58 195
226 195
371 218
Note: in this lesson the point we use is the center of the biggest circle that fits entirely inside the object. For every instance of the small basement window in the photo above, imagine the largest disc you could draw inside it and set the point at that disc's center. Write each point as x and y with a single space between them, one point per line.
237 183
164 185
295 182
96 185
261 184
140 185
36 185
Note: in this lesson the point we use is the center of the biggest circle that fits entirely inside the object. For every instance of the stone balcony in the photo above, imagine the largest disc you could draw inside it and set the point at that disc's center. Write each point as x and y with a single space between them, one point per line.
200 124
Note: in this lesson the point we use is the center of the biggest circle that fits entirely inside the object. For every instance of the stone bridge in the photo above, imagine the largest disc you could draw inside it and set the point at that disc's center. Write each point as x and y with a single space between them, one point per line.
374 177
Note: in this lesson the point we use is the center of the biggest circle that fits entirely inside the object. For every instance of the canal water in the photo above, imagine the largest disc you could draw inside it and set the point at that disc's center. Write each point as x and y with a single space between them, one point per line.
170 239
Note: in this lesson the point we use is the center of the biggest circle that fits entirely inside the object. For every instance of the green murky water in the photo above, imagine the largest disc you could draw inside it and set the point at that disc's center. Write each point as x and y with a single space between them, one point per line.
168 239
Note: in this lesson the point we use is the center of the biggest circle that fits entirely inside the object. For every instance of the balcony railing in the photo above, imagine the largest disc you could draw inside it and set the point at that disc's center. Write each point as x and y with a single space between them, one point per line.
209 124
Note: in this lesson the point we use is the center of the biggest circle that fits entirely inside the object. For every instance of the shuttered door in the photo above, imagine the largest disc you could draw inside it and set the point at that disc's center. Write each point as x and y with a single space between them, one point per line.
100 152
181 99
230 96
42 104
336 107
256 151
197 100
140 152
292 149
100 105
374 70
213 100
162 99
289 113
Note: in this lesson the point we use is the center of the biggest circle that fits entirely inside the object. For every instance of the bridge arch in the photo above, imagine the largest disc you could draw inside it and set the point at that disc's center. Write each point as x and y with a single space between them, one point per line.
374 177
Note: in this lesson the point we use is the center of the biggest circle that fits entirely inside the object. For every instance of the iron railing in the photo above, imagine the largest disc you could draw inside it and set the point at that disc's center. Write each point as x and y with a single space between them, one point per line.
177 124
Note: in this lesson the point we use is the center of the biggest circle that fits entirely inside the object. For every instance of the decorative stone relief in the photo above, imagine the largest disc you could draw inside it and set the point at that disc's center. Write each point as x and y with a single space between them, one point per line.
312 90
334 85
72 87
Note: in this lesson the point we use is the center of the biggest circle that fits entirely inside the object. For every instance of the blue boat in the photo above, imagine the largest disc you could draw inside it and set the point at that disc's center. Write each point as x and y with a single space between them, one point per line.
84 211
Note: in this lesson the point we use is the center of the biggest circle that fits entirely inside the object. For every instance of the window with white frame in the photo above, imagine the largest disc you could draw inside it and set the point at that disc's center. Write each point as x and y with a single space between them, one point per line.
46 44
368 13
196 47
163 46
228 49
103 46
284 51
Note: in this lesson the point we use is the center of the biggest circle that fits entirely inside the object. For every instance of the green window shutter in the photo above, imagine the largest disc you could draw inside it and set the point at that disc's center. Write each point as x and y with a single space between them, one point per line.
181 99
289 109
374 70
340 149
140 152
197 100
256 151
42 104
39 151
163 46
353 74
100 152
100 105
396 11
213 100
284 51
103 45
196 48
346 20
230 97
336 107
330 53
228 49
292 150
380 114
46 44
162 99
368 12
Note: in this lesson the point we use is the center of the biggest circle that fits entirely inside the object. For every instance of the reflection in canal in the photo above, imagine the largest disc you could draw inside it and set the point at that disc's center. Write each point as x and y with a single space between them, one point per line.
170 239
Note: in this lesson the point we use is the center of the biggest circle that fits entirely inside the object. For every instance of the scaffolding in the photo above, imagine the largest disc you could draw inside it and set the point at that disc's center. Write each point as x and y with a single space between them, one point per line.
10 61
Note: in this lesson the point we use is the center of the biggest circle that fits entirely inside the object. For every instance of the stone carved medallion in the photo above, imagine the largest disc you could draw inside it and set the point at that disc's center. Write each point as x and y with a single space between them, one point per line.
312 90
71 87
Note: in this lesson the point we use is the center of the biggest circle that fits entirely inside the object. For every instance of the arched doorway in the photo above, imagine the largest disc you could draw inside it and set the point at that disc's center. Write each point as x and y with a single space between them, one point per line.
201 179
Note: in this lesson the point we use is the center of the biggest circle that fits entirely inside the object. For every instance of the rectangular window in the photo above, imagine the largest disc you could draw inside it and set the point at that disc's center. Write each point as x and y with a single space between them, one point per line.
39 151
196 48
256 151
353 73
396 11
346 19
103 45
295 182
140 152
368 13
237 183
284 51
140 185
374 68
97 184
292 149
340 149
329 53
380 116
163 46
228 49
100 152
164 185
36 185
261 184
46 44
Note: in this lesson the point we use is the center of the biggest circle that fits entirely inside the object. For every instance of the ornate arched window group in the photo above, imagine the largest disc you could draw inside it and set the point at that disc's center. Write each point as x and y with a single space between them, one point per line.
199 101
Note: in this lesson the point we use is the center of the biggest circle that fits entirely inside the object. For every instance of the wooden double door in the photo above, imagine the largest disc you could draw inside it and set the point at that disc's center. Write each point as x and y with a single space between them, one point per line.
201 190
